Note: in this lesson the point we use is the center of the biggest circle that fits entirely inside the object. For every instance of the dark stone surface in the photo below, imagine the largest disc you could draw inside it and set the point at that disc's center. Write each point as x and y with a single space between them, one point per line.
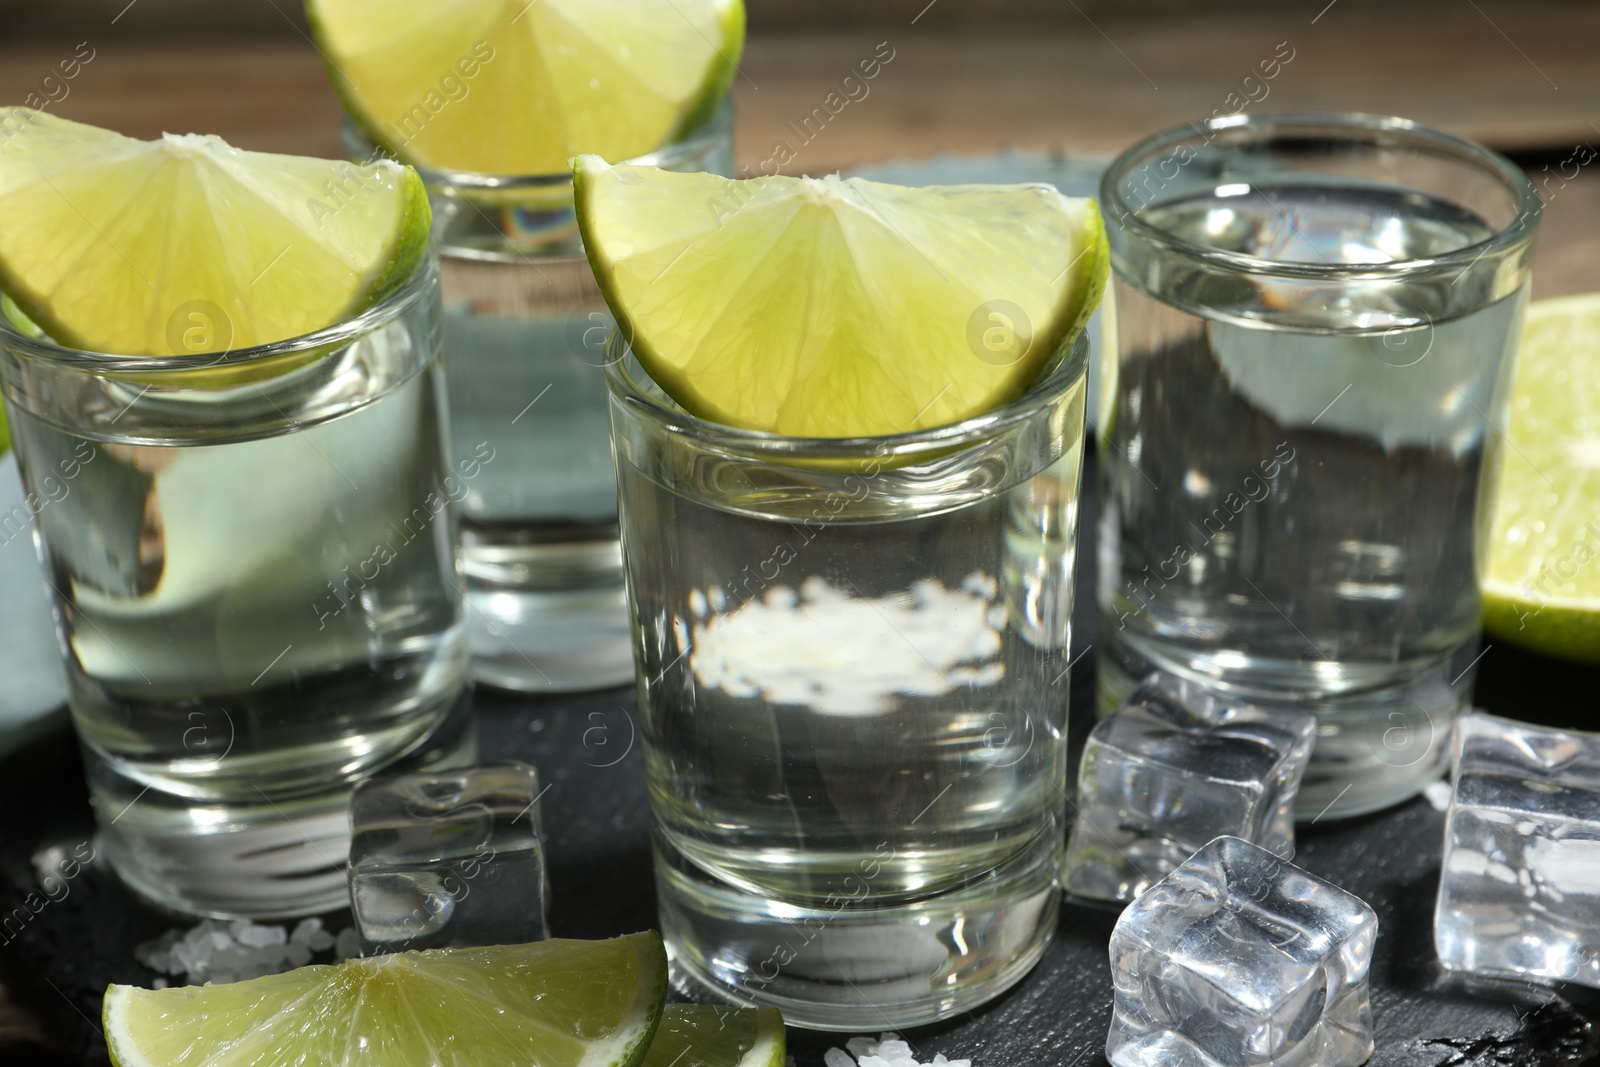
586 747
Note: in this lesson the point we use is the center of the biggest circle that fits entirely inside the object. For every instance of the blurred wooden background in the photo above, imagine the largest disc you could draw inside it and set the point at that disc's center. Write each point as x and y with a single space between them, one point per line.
968 76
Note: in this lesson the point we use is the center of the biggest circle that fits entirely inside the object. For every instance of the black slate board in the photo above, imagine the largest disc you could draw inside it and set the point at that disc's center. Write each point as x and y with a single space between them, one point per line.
586 747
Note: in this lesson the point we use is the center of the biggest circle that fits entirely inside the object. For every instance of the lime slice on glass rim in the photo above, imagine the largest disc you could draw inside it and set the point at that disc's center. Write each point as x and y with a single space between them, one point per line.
554 1003
838 308
707 1035
185 245
517 87
1541 589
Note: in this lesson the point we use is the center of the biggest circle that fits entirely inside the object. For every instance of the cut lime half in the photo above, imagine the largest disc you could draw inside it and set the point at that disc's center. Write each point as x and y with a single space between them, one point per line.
517 87
548 1004
184 245
1542 586
839 308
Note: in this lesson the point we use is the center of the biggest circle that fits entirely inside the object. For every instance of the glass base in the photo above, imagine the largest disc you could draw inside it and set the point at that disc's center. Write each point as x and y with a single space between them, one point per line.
855 967
250 857
549 617
1376 747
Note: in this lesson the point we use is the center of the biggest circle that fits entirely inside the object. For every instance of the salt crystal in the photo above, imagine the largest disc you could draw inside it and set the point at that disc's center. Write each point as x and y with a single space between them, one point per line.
939 1060
837 1058
347 944
874 1061
248 933
230 952
1438 794
893 1049
159 983
311 934
861 1046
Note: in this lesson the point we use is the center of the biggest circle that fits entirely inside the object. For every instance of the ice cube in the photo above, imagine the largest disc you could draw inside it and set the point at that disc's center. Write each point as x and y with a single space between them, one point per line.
448 859
1238 958
1172 768
1519 887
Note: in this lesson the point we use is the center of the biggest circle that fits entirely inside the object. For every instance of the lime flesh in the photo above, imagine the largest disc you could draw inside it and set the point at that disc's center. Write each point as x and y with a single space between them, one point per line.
552 1003
1542 586
518 87
184 245
707 1035
839 308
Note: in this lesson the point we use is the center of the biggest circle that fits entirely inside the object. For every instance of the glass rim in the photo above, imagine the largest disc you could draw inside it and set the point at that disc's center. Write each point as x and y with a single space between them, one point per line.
1357 126
1068 366
354 135
392 307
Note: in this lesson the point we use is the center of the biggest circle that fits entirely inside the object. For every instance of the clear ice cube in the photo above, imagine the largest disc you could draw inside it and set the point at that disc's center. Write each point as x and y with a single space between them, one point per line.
1172 768
448 859
1519 887
1239 959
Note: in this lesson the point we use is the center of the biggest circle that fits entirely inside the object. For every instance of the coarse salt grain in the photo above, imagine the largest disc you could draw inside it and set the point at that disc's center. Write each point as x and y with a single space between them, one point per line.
231 952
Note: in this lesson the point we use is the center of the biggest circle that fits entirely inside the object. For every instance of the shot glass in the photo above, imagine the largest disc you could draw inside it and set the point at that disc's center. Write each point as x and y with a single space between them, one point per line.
1315 318
853 680
252 562
525 333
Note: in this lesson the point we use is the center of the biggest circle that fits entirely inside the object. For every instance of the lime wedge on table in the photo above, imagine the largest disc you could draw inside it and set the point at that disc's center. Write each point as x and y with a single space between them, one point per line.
1542 589
185 245
829 308
521 86
548 1004
704 1035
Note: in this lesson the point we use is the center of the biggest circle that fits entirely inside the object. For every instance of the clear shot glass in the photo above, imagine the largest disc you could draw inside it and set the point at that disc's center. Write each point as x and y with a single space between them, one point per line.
853 678
252 562
1315 318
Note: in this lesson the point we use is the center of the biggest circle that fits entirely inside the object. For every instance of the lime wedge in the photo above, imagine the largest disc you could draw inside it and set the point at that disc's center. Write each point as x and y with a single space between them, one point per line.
547 1004
1542 586
829 308
521 86
184 245
705 1035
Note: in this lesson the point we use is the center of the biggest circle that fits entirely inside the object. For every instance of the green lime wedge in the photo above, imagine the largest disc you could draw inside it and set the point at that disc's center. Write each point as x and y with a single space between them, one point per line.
1541 589
705 1035
829 308
185 245
548 1004
521 86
